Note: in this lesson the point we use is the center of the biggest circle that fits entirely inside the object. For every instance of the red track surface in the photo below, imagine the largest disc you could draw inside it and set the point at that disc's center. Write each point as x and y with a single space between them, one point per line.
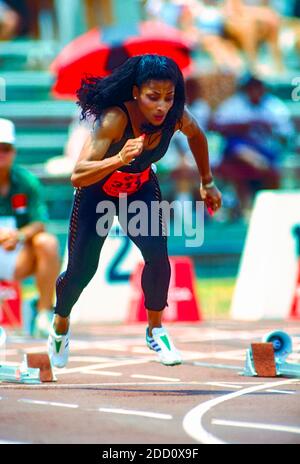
113 390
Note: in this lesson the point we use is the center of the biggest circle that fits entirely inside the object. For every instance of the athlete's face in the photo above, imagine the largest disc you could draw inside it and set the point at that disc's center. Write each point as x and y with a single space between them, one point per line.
155 99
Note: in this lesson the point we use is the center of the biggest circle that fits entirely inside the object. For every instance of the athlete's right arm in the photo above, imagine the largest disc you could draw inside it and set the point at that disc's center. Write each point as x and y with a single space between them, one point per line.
91 167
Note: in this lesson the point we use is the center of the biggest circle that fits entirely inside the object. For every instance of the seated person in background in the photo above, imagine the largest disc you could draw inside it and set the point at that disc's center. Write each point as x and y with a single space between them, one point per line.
250 25
201 111
204 21
184 169
25 247
9 21
78 133
256 126
202 24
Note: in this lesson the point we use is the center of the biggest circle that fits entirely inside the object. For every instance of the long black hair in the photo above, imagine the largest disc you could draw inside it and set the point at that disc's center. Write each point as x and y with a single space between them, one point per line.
98 93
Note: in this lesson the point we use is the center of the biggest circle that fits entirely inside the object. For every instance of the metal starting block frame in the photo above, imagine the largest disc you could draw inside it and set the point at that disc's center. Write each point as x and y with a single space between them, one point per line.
268 359
34 369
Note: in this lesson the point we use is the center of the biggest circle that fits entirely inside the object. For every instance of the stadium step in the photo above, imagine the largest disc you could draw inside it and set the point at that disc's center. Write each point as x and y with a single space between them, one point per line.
27 85
47 114
26 54
35 148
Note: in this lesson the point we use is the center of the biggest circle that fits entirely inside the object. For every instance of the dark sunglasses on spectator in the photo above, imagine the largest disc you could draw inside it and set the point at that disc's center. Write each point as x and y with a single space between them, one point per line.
6 147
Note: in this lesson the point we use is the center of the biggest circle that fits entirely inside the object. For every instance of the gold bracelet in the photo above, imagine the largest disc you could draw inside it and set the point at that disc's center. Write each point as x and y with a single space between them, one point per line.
210 184
120 156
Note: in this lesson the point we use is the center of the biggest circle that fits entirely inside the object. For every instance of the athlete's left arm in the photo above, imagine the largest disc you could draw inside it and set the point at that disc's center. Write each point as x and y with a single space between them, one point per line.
198 144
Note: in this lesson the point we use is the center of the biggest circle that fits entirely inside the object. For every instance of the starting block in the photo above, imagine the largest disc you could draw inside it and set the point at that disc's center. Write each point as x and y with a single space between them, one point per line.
34 369
268 359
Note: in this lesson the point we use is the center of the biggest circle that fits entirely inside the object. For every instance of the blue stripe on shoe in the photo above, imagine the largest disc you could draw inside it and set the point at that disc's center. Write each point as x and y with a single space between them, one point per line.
155 347
151 342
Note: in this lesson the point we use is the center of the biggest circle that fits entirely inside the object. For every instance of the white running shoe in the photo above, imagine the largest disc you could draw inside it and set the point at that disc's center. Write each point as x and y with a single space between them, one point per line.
58 348
161 343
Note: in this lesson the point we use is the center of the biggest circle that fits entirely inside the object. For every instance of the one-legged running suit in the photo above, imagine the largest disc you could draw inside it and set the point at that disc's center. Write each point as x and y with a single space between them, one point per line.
85 244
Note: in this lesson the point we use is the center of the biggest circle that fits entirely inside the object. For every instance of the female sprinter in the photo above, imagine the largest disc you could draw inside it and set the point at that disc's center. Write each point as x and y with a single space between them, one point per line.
137 109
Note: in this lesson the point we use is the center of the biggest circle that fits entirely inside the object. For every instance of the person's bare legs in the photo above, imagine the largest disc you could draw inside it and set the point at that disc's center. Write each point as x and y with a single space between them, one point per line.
222 51
61 324
272 24
259 24
154 320
244 32
40 258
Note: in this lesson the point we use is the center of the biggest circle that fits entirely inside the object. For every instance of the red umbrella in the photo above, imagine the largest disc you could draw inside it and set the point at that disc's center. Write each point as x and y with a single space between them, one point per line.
88 54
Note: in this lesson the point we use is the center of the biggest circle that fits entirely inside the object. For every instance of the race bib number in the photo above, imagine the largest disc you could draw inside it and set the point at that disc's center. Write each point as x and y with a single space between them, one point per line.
125 182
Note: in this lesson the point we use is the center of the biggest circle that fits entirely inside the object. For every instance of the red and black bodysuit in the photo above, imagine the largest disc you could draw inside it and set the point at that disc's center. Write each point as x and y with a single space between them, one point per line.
84 242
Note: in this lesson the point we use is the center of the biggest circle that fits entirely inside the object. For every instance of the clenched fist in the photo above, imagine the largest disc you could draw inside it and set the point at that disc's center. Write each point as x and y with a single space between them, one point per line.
131 149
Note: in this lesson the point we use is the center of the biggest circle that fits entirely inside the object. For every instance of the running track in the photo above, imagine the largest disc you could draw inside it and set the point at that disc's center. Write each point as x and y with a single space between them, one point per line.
113 390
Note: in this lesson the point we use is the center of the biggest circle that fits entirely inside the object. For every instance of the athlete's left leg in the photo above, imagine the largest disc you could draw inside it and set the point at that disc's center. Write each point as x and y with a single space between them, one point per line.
152 242
156 273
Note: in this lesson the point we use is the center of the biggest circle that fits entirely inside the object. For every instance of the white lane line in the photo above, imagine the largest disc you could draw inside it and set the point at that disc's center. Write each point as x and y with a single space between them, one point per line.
154 377
74 386
218 366
286 392
91 359
224 384
10 442
256 425
102 366
48 403
108 373
131 412
36 349
11 352
192 422
11 363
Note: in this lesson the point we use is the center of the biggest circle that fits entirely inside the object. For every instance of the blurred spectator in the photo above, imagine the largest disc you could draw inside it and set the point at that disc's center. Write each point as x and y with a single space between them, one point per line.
202 22
34 18
201 112
296 14
256 126
25 247
98 12
21 8
9 21
168 11
77 135
250 26
181 164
